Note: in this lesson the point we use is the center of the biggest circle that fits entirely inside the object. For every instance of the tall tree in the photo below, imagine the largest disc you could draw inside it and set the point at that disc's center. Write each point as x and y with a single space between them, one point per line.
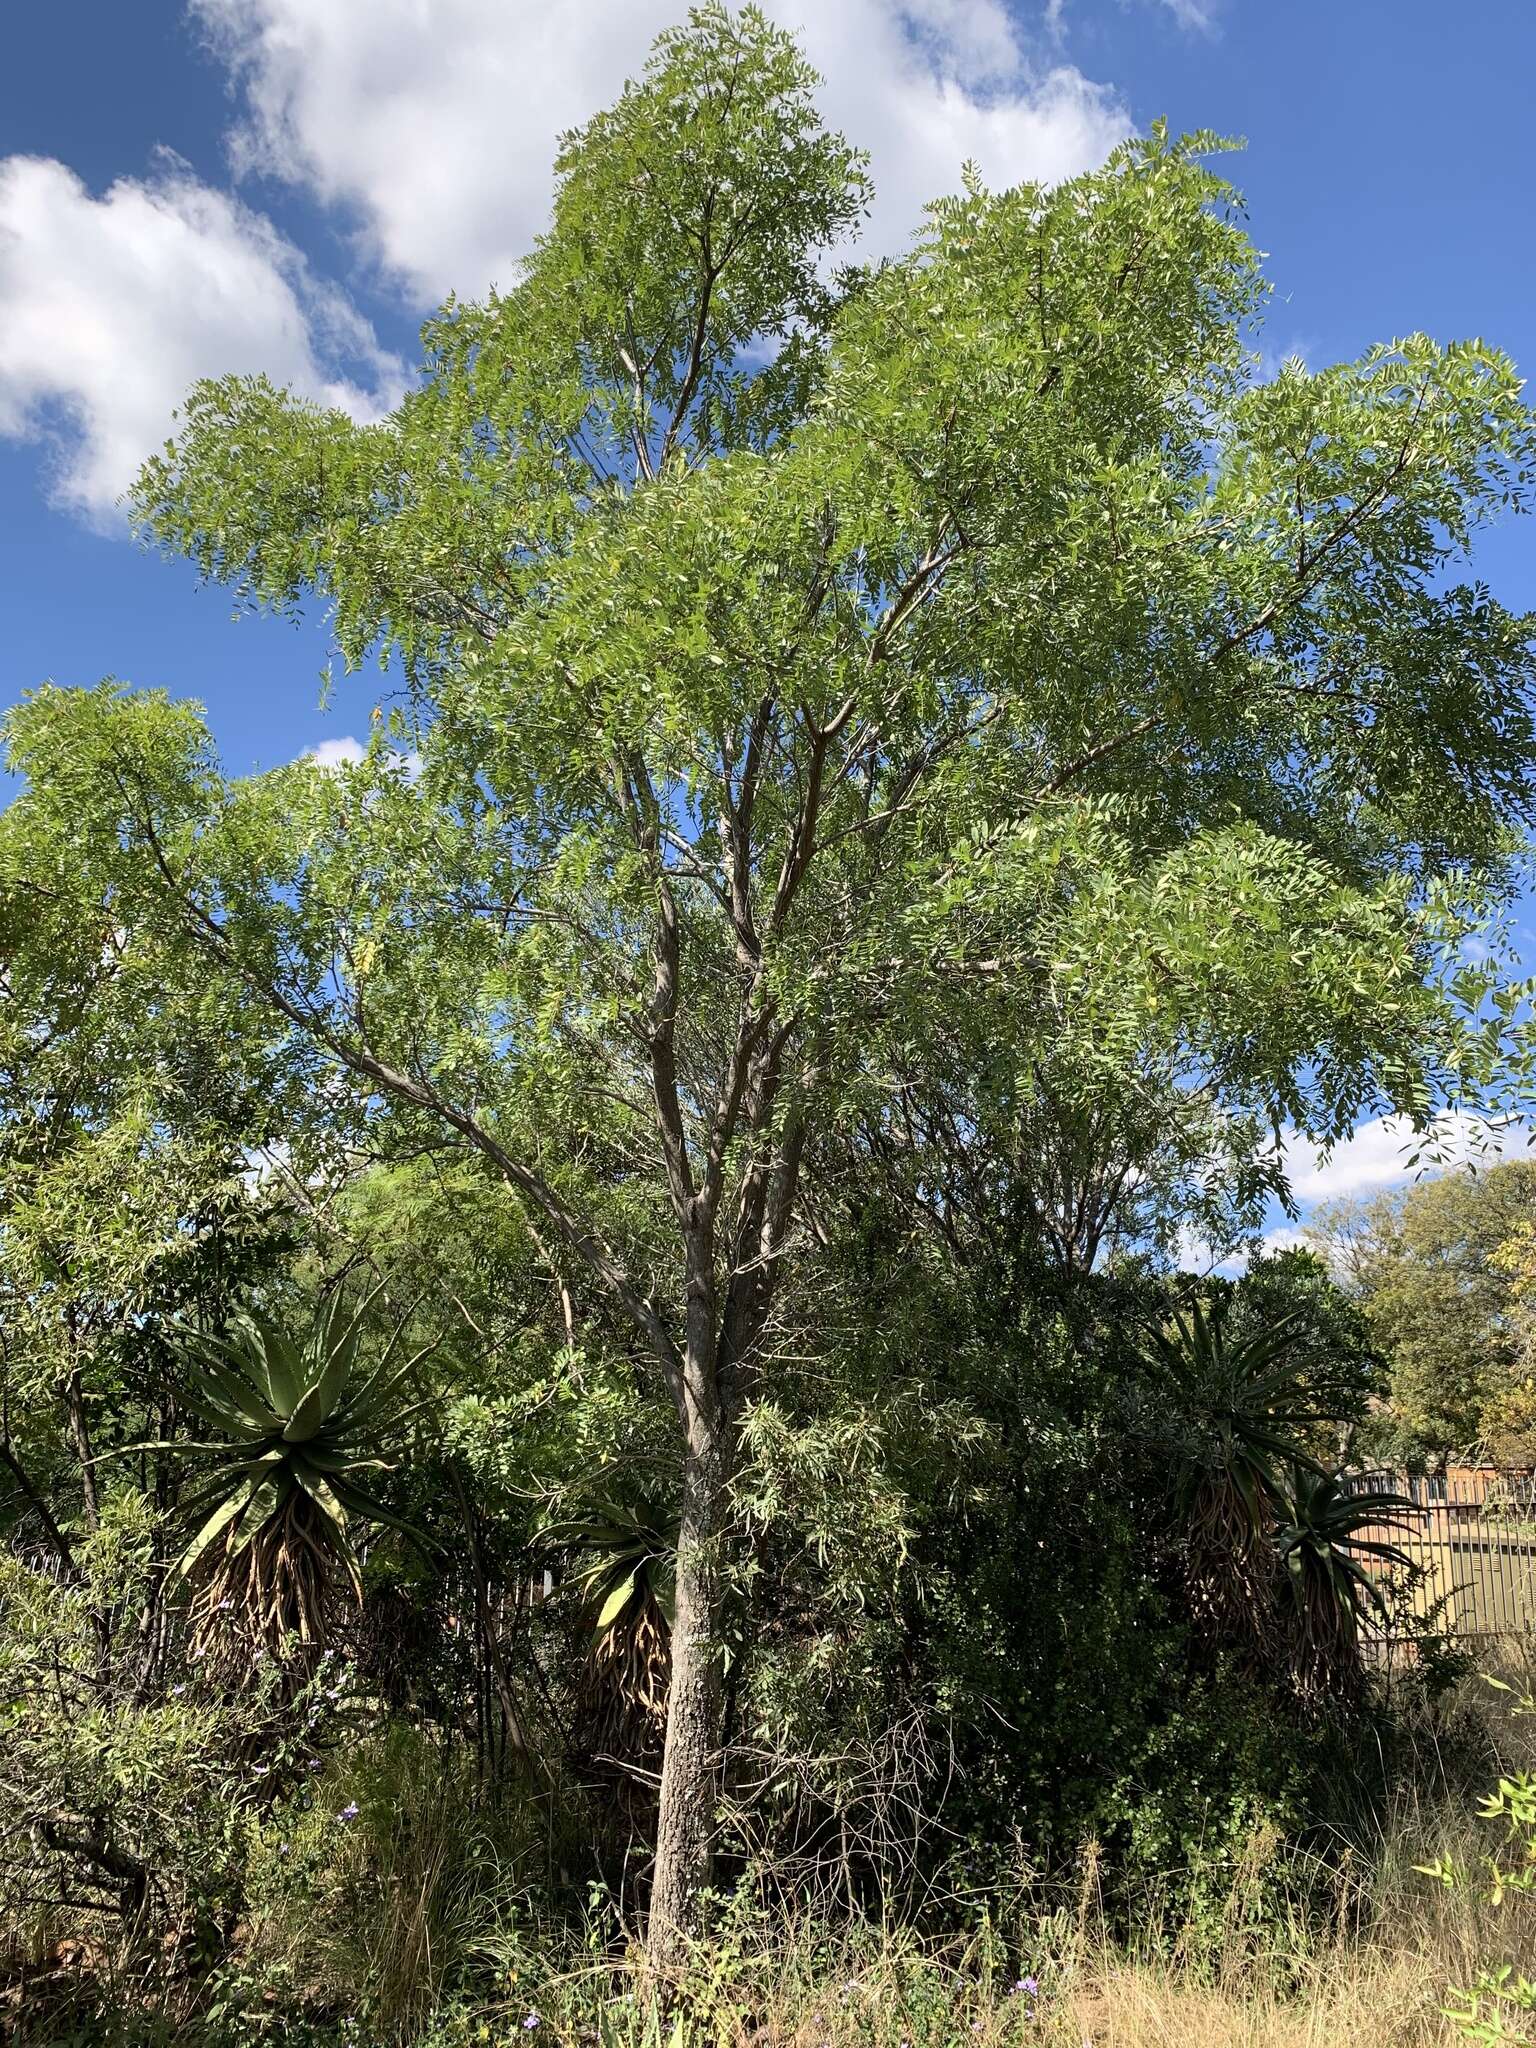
791 662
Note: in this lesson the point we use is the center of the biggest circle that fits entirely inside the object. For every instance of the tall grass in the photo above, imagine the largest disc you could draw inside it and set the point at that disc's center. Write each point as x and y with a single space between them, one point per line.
1054 1974
419 1920
380 1901
430 1938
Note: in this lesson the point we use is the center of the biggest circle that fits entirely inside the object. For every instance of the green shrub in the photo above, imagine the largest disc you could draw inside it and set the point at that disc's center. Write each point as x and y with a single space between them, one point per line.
126 1798
133 1785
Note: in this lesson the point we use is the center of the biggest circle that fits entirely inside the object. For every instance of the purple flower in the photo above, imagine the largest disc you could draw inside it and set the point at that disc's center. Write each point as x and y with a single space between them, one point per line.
177 1691
348 1812
284 1849
530 2021
1028 1985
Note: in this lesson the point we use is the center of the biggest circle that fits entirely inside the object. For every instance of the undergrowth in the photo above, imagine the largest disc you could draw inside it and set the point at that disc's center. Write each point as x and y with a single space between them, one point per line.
399 1907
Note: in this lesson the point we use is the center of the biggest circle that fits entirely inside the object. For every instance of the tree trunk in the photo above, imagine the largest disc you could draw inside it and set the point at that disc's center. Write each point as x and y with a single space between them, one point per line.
685 1825
80 1438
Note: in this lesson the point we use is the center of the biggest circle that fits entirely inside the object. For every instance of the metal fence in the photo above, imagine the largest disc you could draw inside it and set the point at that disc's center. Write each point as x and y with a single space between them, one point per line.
1471 1531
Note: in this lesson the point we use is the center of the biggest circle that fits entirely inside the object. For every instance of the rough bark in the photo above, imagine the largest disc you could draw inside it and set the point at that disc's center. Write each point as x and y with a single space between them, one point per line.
690 1761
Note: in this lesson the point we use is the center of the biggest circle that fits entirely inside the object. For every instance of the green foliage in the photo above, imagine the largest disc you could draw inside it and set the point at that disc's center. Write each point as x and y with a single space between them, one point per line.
127 1801
132 1098
1284 1560
1247 1396
1233 1411
626 1560
1341 1370
1218 1772
908 780
622 1570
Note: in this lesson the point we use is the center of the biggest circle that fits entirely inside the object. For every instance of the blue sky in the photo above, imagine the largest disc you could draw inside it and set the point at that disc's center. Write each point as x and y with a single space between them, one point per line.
292 184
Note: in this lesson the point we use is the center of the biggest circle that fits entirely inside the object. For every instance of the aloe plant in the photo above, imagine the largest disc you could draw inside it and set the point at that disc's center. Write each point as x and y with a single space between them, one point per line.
1239 1410
298 1424
1279 1553
623 1570
1336 1550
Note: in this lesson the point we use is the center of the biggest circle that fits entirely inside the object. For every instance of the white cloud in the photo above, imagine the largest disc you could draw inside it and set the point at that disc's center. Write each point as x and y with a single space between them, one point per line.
435 127
1285 1238
340 753
347 752
1192 14
1380 1154
1197 16
110 308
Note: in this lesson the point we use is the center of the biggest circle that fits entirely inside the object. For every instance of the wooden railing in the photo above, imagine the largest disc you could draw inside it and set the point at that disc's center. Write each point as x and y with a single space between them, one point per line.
1471 1531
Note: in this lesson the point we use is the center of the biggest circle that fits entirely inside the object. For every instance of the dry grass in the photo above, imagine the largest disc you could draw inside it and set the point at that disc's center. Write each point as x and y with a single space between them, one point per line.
1382 1984
411 1908
1379 1978
1370 2001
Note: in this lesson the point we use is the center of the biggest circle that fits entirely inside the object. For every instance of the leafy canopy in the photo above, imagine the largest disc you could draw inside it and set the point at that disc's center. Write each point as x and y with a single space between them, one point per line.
792 663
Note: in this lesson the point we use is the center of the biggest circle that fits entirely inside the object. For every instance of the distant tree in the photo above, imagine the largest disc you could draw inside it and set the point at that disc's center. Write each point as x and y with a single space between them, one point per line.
798 667
1441 1290
1509 1420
